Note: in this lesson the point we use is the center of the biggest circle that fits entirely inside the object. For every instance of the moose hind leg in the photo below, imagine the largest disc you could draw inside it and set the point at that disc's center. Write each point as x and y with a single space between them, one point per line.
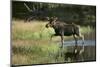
75 40
82 38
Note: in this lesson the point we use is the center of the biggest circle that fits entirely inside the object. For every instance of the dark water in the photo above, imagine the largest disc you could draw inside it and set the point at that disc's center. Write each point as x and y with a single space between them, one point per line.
89 49
86 43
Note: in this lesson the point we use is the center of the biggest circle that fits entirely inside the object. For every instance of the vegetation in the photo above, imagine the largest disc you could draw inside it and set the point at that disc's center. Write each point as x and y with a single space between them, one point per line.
31 40
31 43
30 52
80 14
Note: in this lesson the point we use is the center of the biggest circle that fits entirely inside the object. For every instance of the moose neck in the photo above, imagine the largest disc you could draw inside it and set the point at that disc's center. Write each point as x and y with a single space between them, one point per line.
57 28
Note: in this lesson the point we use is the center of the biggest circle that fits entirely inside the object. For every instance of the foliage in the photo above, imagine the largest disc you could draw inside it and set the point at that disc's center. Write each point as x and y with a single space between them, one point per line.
79 14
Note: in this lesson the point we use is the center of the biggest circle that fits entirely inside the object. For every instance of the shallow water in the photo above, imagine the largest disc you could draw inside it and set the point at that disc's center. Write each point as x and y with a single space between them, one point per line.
86 43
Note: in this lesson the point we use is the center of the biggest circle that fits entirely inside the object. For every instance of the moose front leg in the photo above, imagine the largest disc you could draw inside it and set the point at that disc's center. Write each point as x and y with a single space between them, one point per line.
62 46
62 41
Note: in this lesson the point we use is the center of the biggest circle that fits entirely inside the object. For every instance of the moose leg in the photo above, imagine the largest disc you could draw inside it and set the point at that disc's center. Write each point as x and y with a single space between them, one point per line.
82 37
62 41
75 40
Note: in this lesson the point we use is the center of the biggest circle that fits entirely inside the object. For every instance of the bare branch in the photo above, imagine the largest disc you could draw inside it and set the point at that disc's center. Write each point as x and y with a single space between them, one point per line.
27 7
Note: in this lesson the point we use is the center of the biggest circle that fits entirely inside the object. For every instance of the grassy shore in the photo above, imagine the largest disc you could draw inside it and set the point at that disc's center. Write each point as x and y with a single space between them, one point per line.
31 42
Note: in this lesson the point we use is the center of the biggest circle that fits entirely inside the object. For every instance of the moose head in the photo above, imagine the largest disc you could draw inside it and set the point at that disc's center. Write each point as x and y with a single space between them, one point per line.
52 21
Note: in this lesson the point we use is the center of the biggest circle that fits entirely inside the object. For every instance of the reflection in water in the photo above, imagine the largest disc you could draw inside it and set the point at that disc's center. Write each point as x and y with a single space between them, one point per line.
86 43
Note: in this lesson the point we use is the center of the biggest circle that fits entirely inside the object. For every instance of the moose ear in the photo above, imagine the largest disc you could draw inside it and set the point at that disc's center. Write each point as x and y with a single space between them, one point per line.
47 18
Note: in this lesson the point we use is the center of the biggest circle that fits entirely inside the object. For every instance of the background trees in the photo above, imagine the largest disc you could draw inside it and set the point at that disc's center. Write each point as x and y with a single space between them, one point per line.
79 14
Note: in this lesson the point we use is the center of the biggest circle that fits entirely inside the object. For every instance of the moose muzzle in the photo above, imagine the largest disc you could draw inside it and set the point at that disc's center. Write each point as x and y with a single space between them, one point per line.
48 25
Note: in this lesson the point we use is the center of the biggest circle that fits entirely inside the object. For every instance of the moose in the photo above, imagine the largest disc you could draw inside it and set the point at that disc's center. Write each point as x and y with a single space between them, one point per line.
63 29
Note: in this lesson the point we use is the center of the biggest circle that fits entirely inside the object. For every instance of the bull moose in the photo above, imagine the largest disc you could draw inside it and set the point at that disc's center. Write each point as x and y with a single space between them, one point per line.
63 29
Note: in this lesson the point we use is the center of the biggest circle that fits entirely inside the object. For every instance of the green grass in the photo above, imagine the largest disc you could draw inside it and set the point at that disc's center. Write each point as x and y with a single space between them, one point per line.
35 30
31 43
34 53
87 29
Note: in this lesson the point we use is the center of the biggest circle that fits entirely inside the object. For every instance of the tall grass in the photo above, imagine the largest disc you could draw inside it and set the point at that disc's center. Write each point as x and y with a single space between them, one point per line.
34 30
34 53
87 29
31 44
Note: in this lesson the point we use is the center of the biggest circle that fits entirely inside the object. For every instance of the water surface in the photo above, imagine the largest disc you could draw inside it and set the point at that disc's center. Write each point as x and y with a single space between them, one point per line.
86 43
